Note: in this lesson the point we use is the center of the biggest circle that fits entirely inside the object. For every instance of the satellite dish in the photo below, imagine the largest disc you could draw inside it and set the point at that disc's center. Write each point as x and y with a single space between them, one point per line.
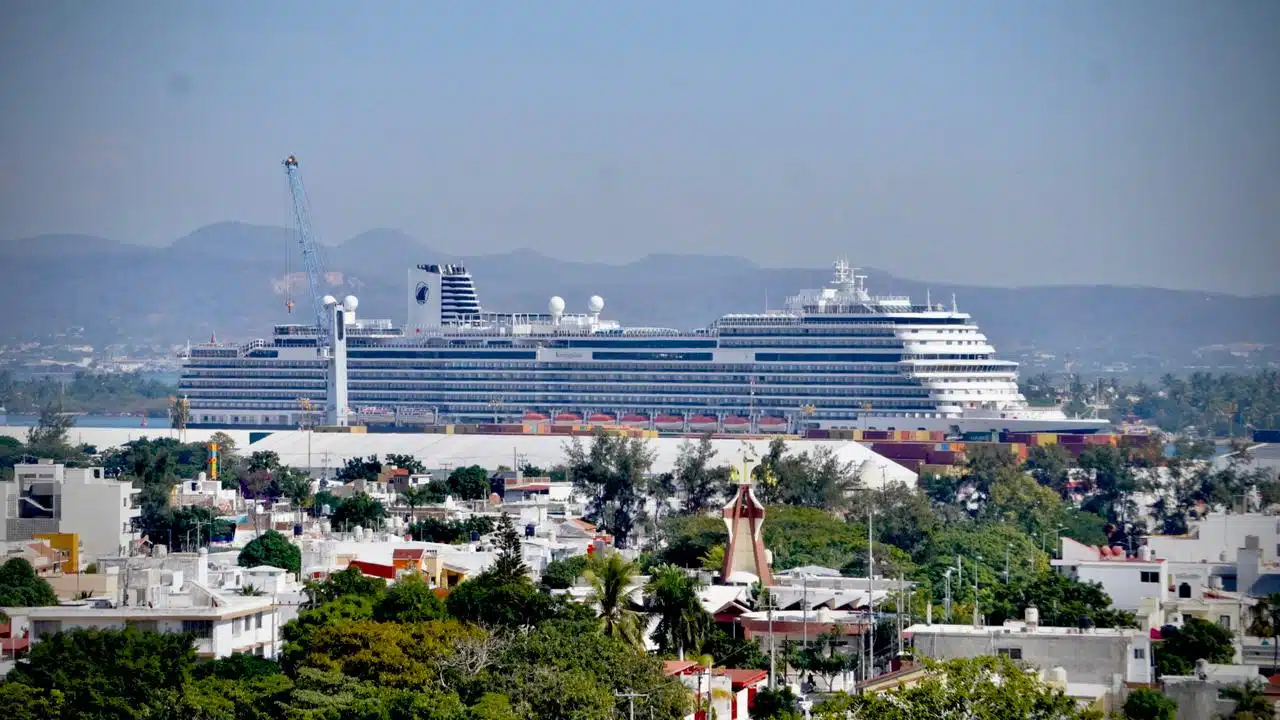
595 304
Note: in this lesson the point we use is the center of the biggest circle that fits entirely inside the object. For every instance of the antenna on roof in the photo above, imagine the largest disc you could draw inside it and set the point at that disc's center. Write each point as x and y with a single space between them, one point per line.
928 300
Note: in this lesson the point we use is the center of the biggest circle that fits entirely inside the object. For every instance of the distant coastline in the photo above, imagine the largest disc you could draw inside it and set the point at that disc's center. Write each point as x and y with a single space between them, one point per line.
93 421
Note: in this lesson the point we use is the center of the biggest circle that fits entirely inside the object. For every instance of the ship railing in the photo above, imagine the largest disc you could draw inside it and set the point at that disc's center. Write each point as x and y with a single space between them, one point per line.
250 346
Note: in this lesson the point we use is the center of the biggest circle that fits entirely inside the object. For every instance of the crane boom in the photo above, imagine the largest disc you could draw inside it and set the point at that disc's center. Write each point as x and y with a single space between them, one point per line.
307 241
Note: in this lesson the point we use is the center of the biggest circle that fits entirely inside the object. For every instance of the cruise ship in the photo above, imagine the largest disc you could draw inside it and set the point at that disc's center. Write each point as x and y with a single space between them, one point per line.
832 357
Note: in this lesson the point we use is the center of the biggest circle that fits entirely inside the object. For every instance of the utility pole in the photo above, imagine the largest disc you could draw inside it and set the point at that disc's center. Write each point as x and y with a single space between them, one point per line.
871 594
805 622
769 607
975 592
1007 547
631 701
947 604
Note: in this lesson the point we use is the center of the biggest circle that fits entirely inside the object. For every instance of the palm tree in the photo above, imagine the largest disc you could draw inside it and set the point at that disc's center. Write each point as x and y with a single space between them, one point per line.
251 591
414 496
673 597
1265 622
609 580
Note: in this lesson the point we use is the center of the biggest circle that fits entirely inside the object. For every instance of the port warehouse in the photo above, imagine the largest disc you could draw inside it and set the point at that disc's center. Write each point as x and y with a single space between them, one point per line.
880 455
464 446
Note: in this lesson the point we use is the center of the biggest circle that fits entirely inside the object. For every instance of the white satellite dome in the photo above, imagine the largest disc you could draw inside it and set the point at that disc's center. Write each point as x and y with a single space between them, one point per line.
595 304
556 306
350 303
329 300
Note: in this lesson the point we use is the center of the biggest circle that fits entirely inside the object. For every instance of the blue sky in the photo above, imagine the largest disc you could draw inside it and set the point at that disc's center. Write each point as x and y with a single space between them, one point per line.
1010 143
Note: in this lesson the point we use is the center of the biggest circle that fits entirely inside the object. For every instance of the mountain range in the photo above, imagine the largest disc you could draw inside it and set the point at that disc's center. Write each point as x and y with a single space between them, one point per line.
229 278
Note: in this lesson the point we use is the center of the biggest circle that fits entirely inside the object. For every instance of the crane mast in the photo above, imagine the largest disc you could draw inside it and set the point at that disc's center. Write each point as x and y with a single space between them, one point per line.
307 242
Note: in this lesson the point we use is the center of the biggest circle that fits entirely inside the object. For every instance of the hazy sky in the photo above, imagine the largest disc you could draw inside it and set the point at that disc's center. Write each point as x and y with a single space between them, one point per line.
1011 143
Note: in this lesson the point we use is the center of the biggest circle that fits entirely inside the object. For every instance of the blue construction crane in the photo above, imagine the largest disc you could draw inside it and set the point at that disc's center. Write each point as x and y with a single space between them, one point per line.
307 243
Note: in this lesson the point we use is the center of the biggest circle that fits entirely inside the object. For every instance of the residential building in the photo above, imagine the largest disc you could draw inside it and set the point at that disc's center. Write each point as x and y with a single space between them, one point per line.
1200 695
1212 538
1139 584
1087 655
221 624
48 497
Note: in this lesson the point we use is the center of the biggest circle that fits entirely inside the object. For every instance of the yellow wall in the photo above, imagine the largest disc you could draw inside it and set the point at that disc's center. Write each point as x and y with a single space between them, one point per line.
68 543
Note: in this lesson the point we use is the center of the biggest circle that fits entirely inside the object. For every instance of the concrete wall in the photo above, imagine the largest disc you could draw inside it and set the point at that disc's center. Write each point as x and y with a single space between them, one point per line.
100 585
1218 534
1123 581
101 512
1086 658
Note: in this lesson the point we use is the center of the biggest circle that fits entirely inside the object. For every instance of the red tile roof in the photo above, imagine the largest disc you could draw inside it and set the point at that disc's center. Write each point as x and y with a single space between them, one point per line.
408 553
677 667
372 569
743 677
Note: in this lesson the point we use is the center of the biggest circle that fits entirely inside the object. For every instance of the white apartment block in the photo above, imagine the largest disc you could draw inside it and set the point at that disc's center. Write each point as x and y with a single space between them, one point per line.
1216 537
1137 584
1098 656
221 624
48 497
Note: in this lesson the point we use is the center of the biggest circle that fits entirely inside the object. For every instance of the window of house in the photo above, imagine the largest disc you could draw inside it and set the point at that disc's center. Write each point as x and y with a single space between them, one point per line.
1224 621
1011 653
1139 653
200 628
258 617
1184 590
236 626
1150 576
41 628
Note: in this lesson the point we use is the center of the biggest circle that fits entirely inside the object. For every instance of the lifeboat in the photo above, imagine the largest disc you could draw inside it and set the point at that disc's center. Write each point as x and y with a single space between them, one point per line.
773 424
635 420
736 423
669 422
600 418
703 423
535 417
567 418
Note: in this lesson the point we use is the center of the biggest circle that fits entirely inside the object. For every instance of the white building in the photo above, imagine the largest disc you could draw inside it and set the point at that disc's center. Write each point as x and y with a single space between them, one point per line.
1137 584
48 497
204 492
1104 656
222 624
1216 537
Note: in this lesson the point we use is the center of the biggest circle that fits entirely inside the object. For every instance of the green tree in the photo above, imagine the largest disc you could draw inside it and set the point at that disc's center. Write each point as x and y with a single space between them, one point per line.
610 580
682 623
23 702
611 475
348 582
562 574
238 667
509 565
469 483
358 468
1149 704
987 687
295 485
21 587
109 673
409 600
359 510
1050 465
903 516
406 462
1251 701
272 548
701 484
1197 639
417 496
1060 600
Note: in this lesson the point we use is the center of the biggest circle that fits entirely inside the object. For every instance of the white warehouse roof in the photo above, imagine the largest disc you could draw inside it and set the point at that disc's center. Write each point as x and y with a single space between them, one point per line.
545 451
